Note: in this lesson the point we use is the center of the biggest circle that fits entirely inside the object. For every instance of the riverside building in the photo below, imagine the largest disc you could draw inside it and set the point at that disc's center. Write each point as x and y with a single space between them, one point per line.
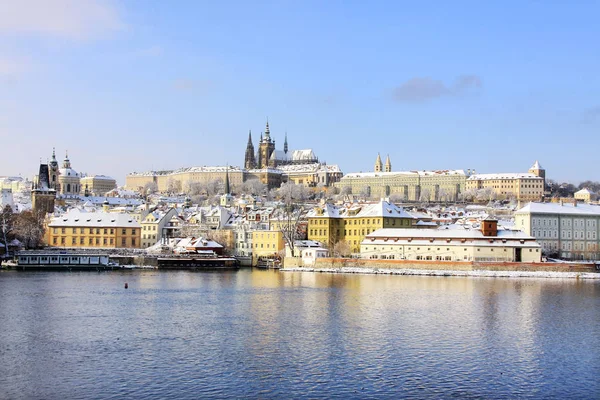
78 229
570 231
452 244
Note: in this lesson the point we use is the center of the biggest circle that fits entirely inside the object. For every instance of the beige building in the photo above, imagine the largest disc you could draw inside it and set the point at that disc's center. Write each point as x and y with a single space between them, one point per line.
570 231
93 230
442 185
585 195
487 244
311 174
97 185
180 180
520 186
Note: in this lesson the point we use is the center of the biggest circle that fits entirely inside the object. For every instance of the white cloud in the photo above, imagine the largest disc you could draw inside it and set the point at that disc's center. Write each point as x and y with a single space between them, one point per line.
421 89
71 19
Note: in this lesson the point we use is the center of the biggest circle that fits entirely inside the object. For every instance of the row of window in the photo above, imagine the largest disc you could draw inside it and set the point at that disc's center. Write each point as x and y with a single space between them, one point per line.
98 231
91 241
266 245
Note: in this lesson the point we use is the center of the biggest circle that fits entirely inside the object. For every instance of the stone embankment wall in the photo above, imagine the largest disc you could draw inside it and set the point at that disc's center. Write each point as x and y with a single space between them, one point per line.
329 263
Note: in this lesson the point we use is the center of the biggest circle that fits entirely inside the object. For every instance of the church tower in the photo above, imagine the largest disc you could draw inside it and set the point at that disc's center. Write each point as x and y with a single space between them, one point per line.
53 172
266 147
378 164
388 164
249 160
537 170
285 145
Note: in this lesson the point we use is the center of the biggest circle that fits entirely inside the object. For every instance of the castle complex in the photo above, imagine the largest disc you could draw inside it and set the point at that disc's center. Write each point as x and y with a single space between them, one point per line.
270 166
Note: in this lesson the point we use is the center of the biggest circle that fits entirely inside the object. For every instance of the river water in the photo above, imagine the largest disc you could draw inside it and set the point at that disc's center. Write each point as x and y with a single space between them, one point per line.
268 334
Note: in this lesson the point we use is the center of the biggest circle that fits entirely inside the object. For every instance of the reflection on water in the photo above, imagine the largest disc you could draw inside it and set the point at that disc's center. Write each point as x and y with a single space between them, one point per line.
271 335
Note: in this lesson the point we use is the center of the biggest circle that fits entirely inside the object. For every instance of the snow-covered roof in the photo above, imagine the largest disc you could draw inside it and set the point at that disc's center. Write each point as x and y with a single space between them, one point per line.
584 191
557 208
303 155
68 172
500 176
99 177
309 168
368 210
536 165
446 172
443 233
79 218
187 169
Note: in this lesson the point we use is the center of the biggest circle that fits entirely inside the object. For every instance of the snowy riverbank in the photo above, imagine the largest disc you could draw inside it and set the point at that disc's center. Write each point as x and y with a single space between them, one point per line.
425 272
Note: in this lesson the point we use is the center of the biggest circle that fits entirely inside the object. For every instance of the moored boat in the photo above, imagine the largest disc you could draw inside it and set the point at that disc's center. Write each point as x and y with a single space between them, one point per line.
63 261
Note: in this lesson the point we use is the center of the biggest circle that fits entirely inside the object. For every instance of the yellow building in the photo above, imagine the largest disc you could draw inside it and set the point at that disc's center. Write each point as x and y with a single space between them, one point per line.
266 244
93 230
330 224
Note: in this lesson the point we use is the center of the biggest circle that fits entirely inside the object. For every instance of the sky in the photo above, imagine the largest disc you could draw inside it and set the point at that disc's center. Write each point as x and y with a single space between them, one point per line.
131 86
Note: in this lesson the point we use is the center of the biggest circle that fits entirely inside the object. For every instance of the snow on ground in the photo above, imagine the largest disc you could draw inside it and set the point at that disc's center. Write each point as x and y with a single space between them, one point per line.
425 272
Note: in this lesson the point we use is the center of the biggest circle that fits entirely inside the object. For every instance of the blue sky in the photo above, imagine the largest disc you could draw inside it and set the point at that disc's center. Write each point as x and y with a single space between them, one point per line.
139 85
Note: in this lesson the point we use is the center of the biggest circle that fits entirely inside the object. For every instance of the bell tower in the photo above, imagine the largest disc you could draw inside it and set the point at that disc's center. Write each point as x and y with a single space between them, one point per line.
265 148
378 164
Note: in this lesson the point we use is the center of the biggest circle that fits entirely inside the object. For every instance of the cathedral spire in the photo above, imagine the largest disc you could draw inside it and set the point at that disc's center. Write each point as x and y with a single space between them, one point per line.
285 145
267 132
249 160
227 189
388 164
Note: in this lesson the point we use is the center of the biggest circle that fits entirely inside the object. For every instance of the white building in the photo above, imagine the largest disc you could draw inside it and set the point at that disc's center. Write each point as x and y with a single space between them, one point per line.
570 231
447 244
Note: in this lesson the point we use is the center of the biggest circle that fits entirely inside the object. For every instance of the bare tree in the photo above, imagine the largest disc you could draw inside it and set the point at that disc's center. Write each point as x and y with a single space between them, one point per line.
342 249
425 195
150 188
6 224
254 187
397 197
29 228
